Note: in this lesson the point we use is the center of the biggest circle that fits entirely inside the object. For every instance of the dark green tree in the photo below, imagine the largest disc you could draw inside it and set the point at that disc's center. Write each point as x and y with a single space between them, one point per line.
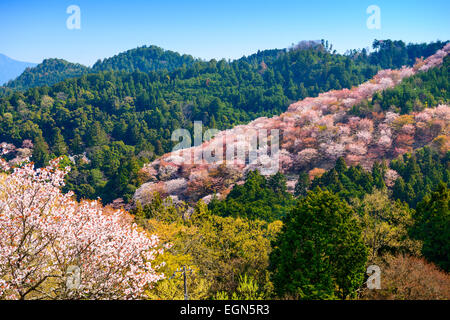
59 146
40 152
301 188
258 198
319 253
432 225
76 144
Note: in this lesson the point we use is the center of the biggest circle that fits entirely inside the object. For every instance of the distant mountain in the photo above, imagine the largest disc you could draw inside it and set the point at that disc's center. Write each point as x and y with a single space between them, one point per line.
49 72
144 59
387 54
10 68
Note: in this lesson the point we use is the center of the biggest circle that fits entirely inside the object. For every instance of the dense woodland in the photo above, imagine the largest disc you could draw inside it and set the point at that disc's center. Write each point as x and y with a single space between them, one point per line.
49 72
122 119
259 241
347 218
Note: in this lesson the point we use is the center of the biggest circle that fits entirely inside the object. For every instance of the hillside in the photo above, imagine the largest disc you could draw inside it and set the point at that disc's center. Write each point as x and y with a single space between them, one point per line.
120 120
52 71
49 72
363 179
10 68
314 133
387 54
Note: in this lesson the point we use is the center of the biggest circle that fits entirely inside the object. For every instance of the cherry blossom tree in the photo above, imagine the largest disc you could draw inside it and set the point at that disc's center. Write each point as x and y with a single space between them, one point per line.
306 156
27 144
385 141
390 177
365 125
52 247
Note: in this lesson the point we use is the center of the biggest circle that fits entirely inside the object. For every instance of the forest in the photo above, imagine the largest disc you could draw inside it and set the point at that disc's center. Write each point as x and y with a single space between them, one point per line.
368 182
114 121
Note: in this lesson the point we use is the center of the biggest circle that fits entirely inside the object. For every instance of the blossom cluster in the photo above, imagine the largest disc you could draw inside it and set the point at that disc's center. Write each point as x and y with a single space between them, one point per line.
44 233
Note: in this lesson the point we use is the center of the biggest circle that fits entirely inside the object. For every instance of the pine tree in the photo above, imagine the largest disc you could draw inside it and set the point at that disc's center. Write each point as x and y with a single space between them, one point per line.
277 183
59 145
302 185
319 253
40 152
340 166
433 226
76 144
377 175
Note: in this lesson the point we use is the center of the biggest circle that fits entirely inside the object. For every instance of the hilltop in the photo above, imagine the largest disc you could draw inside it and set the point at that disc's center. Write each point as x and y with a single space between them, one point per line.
49 72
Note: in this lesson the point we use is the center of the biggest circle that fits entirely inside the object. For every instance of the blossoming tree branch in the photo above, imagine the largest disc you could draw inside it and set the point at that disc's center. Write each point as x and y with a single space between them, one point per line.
44 233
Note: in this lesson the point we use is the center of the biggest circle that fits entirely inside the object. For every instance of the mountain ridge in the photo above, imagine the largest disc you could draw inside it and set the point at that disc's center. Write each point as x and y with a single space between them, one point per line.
153 58
49 71
11 68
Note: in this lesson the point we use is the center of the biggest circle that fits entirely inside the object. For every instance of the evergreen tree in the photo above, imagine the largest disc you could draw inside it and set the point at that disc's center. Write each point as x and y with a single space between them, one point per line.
258 198
76 144
59 146
302 185
319 253
432 225
40 152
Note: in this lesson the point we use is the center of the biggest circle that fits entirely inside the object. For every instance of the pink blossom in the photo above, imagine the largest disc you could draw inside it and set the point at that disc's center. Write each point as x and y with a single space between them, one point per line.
442 112
365 125
43 232
364 136
357 148
27 144
385 141
408 129
333 150
390 177
324 123
306 156
390 117
424 116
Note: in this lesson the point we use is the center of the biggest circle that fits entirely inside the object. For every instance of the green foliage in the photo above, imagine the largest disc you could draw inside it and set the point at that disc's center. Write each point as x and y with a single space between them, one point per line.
40 152
319 253
350 182
258 198
247 289
161 209
229 255
432 225
140 97
385 225
395 54
229 247
302 185
47 73
412 94
144 59
420 173
110 172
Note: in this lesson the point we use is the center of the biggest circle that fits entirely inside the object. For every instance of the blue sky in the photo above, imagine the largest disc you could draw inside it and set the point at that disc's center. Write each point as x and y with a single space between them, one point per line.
33 30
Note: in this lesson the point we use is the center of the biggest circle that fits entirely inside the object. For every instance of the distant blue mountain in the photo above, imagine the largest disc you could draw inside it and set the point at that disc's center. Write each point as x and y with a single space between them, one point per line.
11 69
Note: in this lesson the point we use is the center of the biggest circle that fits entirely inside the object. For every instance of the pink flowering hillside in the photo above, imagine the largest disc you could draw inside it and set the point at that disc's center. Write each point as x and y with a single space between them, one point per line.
313 133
